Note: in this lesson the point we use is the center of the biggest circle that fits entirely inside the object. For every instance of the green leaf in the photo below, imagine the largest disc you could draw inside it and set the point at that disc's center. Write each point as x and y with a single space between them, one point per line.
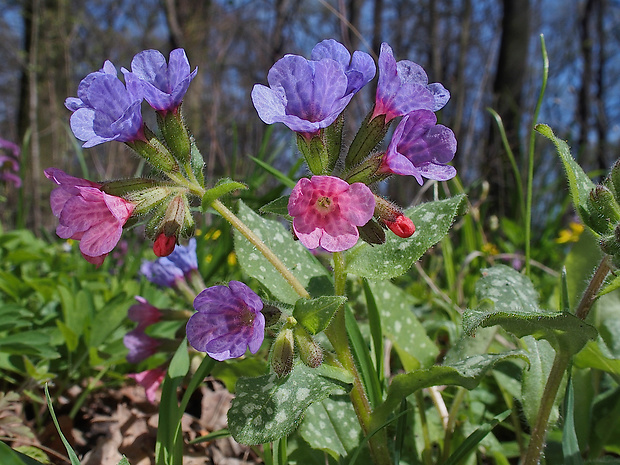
267 408
570 445
541 356
596 355
279 175
579 183
509 300
472 441
467 373
278 206
331 426
70 452
400 325
124 461
606 422
432 220
108 318
223 187
293 254
10 457
315 314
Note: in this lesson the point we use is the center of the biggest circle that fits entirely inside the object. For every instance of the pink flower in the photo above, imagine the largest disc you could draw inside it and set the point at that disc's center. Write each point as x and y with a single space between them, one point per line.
87 214
140 345
326 211
150 380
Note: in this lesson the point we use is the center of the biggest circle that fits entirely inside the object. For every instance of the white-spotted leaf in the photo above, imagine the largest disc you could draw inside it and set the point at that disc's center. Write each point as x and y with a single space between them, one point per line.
432 221
267 408
292 253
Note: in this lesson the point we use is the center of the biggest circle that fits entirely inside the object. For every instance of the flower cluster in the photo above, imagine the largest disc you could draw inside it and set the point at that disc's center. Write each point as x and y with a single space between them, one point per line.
9 165
336 206
107 109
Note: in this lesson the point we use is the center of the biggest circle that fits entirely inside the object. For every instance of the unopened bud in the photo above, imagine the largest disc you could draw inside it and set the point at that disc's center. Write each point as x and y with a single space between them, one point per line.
153 151
604 212
372 233
164 245
371 132
283 352
613 180
402 226
145 194
310 351
367 171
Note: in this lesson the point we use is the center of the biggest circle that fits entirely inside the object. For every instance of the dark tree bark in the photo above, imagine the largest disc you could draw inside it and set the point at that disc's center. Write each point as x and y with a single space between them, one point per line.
585 95
507 101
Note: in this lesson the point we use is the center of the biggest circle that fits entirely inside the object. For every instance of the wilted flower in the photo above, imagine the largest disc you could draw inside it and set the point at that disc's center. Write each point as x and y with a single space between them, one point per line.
87 214
150 380
327 210
141 346
105 109
228 320
403 87
420 147
163 84
144 313
308 95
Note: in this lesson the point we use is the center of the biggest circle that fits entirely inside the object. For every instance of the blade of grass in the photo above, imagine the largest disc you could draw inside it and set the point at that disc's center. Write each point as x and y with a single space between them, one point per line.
70 452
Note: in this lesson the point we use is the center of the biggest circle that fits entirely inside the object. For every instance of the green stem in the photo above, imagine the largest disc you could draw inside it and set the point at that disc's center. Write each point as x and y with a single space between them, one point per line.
537 439
261 247
590 294
454 411
336 332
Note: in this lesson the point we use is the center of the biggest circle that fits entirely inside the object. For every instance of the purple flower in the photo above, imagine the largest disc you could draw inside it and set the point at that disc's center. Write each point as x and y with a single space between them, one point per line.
403 87
184 257
9 167
143 313
105 109
162 272
327 210
420 147
141 346
163 84
308 95
228 320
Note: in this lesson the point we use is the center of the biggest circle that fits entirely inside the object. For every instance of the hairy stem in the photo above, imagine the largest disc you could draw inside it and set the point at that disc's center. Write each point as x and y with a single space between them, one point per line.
261 247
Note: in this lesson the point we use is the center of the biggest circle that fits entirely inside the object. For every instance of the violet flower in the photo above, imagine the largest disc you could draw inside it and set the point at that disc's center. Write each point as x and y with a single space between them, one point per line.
228 320
167 271
403 87
327 210
150 380
162 272
140 345
163 84
9 166
421 148
144 313
87 214
308 95
105 109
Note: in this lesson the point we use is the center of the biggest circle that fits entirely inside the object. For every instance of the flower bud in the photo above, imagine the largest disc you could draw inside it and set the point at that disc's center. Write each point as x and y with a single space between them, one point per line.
175 133
283 352
172 218
372 233
613 180
402 226
164 245
332 135
310 351
366 171
604 212
392 217
315 152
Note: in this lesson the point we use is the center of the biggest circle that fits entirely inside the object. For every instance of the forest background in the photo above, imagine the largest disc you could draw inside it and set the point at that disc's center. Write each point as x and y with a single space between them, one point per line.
487 53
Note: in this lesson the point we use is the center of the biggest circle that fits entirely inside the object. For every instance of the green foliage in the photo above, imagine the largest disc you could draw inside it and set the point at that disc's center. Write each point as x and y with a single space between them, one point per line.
395 257
315 314
267 408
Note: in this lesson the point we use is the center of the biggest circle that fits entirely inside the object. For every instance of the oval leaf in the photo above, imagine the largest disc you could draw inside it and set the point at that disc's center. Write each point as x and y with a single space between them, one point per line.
315 314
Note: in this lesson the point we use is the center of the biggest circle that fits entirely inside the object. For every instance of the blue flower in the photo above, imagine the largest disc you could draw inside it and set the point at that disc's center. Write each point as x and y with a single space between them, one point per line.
105 109
166 271
228 321
308 95
164 84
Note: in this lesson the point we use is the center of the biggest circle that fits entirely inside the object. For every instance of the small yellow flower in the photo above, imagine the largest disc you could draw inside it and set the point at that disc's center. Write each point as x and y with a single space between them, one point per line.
208 258
232 259
490 249
570 234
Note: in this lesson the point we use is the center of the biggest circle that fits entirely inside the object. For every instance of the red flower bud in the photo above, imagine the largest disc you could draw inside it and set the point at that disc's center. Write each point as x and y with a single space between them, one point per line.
402 226
164 245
